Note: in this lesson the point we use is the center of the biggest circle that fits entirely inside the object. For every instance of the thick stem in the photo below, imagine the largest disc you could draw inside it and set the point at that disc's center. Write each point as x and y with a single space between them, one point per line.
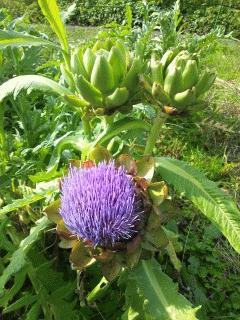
2 134
154 133
99 290
108 120
66 57
86 126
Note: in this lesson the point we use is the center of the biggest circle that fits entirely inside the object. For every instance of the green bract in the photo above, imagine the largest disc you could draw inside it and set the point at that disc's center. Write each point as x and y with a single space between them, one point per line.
176 81
106 75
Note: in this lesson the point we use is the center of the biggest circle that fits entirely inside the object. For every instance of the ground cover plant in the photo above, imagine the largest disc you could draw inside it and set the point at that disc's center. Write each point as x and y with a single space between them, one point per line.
94 142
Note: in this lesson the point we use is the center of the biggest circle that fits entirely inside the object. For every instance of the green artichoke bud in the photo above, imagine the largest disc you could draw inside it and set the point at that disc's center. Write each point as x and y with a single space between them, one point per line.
190 74
102 75
159 93
118 62
88 60
107 75
185 98
176 81
119 97
89 92
131 78
103 44
205 82
77 63
173 80
156 71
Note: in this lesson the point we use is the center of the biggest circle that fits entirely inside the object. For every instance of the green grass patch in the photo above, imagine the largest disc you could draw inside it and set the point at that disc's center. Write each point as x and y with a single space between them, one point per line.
226 60
76 34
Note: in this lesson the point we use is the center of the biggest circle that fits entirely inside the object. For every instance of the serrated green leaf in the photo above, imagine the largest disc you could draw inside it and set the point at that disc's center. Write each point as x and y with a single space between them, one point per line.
20 203
5 242
134 300
19 258
163 300
19 280
75 141
26 300
64 310
64 292
45 175
173 256
55 291
16 264
29 83
33 312
157 237
215 204
51 12
18 40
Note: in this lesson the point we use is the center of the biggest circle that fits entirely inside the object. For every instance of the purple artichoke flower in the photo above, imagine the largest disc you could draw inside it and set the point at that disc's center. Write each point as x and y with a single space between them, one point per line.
99 204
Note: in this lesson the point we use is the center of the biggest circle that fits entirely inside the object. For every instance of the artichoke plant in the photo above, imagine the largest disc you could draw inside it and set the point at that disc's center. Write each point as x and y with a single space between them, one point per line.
106 75
107 212
176 81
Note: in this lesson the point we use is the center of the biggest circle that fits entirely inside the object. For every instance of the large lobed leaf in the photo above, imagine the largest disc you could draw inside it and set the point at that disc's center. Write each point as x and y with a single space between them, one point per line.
18 40
51 294
18 260
51 12
151 294
20 203
38 194
29 83
215 204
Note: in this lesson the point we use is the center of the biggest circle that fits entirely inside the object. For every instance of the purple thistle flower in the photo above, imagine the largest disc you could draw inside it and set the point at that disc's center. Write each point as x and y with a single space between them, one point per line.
99 204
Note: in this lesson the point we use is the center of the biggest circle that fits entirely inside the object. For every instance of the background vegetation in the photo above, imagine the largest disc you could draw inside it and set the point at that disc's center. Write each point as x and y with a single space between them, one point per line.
198 16
209 140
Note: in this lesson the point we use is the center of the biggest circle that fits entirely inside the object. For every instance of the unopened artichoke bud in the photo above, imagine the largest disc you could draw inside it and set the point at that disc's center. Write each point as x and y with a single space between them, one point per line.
103 44
107 74
77 63
168 56
88 60
177 82
156 70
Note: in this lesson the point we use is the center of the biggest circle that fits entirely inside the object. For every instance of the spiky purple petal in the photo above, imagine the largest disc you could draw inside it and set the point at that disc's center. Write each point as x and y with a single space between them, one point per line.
99 204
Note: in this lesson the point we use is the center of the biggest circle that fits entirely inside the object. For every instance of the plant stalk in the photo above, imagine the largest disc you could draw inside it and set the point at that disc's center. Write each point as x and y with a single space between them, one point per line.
108 120
2 134
99 290
86 126
154 133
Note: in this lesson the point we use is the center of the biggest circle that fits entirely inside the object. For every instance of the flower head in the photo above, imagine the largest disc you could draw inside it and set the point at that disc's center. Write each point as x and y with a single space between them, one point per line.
99 204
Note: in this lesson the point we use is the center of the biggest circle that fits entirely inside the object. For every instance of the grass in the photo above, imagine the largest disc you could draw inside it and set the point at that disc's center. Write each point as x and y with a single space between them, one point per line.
226 60
76 34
